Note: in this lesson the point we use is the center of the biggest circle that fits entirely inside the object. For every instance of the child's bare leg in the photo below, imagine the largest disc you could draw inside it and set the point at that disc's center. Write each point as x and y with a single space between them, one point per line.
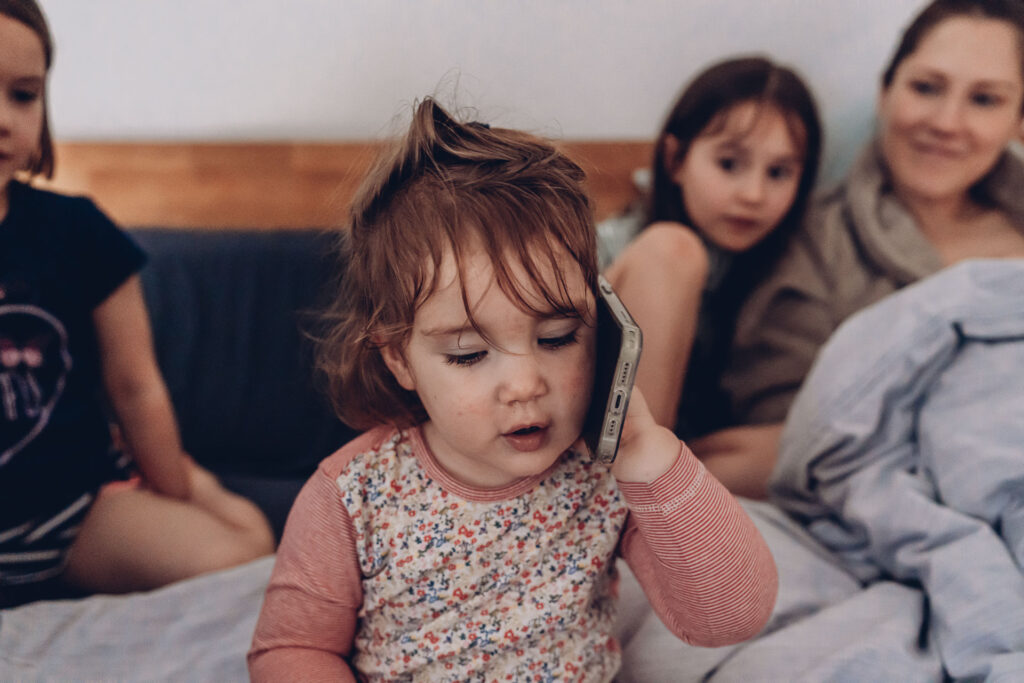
660 277
135 539
234 510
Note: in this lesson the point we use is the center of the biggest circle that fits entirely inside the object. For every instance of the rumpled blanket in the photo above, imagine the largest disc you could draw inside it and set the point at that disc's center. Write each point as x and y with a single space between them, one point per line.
194 630
904 455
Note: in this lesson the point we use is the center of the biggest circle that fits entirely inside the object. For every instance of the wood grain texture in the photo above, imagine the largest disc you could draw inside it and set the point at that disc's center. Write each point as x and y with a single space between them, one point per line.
272 185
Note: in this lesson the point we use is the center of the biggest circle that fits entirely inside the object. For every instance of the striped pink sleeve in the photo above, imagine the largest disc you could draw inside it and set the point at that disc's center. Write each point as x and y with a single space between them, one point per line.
307 624
705 568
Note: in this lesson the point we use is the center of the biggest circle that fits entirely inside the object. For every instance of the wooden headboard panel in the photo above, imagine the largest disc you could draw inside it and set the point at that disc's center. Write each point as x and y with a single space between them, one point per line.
272 185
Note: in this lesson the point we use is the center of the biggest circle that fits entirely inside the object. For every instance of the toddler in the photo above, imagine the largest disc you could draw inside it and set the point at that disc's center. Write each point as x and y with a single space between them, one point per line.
468 534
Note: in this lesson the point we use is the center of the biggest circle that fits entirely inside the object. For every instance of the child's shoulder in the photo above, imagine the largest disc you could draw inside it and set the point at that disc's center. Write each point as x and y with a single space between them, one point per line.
377 470
372 442
59 218
38 199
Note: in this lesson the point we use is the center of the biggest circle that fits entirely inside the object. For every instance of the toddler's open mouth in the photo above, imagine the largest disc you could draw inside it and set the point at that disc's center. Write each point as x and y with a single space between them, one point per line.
528 438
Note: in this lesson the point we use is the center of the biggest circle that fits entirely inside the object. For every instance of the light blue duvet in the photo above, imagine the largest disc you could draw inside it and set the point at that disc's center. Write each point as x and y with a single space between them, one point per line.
904 455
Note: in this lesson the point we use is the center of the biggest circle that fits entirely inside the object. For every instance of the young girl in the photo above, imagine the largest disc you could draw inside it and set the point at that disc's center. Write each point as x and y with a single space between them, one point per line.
733 168
72 323
468 534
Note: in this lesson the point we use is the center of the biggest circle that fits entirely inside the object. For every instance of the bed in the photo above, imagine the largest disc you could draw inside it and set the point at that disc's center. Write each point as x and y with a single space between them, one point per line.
897 522
897 527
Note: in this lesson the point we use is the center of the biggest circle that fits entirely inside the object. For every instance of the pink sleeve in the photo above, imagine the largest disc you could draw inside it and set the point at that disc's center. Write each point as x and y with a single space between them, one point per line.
705 568
308 622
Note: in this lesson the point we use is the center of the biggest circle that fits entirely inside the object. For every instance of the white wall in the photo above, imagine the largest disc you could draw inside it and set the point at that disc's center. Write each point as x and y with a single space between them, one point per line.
343 69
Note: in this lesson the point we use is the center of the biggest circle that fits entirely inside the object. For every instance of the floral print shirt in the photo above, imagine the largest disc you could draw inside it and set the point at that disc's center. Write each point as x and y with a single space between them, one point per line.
393 564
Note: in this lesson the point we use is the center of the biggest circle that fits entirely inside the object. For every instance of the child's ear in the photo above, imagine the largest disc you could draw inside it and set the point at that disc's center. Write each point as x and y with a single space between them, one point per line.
395 361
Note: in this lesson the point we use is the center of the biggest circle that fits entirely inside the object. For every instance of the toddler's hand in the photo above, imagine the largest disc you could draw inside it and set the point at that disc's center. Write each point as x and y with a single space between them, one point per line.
646 449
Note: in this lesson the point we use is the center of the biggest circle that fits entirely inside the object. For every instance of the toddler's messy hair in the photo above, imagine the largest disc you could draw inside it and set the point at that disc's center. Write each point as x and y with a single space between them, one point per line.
442 189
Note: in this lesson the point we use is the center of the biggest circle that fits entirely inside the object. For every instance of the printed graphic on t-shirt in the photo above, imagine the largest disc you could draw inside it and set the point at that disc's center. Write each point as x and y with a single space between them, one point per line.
34 365
38 549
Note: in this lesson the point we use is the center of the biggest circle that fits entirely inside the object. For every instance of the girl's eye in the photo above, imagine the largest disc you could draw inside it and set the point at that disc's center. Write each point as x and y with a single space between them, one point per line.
924 87
984 99
727 164
781 172
25 96
558 342
465 359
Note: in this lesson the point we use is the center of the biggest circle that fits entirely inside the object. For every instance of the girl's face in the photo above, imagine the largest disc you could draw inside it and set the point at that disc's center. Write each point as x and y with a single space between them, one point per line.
951 108
740 176
504 408
22 77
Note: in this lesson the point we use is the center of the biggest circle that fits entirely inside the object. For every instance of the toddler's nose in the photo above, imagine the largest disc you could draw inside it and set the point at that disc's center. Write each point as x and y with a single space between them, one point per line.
523 381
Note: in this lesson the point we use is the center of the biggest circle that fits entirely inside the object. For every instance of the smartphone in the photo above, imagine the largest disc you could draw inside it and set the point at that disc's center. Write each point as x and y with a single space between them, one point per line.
619 342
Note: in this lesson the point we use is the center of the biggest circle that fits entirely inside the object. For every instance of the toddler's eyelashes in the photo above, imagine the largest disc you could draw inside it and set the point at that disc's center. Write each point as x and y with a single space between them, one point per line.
465 359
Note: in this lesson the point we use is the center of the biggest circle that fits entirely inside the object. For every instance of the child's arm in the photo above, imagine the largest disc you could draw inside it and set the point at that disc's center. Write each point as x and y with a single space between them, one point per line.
741 457
702 563
307 625
137 391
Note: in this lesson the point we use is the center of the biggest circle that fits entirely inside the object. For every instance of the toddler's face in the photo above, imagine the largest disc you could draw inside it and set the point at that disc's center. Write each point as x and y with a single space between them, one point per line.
507 407
738 182
22 78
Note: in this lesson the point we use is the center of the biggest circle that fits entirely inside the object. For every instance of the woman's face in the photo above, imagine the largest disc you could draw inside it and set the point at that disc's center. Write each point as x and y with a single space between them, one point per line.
952 106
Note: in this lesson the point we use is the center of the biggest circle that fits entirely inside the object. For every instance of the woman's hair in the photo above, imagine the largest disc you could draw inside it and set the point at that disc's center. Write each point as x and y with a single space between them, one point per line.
447 188
706 102
29 13
1010 11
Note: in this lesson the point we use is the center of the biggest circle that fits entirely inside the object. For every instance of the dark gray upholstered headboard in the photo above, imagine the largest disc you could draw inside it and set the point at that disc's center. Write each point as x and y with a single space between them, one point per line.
227 309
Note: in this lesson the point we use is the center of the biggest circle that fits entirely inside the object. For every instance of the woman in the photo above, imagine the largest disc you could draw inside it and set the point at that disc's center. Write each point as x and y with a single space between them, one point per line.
936 186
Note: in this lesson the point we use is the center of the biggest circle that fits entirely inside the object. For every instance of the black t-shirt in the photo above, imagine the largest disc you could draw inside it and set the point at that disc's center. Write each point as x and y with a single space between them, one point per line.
60 257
